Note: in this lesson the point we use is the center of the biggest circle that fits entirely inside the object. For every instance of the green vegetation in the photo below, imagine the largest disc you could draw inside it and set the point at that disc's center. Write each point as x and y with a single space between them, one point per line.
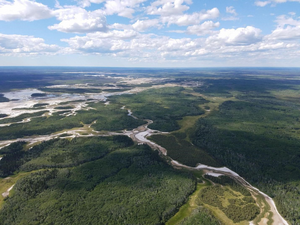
257 135
40 105
245 120
3 99
64 107
108 117
37 95
183 151
131 185
235 209
234 200
3 115
67 153
12 159
68 102
200 216
22 117
192 212
58 153
164 106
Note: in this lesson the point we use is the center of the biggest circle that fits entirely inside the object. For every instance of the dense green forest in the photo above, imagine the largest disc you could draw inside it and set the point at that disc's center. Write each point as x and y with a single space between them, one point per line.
130 185
164 106
183 151
257 135
247 121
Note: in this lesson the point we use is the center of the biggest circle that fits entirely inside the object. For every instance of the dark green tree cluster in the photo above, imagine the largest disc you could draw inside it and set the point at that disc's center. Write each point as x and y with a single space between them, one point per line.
12 159
131 185
3 115
3 99
224 180
183 151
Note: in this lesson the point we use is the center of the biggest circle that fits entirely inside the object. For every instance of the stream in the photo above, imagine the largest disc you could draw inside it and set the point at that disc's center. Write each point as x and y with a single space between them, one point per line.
138 135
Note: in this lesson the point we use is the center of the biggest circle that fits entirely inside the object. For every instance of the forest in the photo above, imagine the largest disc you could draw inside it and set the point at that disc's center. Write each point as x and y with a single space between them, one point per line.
125 183
257 135
246 120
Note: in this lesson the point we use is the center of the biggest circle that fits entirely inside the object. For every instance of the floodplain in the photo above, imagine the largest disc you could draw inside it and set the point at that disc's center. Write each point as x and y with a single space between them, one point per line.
124 146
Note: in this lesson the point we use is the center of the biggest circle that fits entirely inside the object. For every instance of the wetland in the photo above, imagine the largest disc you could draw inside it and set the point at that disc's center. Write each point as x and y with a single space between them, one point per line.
142 147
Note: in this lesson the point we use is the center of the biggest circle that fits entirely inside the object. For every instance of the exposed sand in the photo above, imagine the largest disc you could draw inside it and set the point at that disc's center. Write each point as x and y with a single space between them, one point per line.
139 134
214 174
5 194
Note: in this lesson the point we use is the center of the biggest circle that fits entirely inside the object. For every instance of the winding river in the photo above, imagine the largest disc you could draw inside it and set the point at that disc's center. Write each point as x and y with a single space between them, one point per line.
139 135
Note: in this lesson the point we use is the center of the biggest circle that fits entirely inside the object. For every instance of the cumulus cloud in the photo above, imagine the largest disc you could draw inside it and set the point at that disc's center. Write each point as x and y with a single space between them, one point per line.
102 42
78 20
142 25
23 44
203 29
287 29
139 25
23 10
168 7
191 19
239 36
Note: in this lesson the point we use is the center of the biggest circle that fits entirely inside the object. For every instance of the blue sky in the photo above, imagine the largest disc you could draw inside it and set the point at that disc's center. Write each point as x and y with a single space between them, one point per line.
156 33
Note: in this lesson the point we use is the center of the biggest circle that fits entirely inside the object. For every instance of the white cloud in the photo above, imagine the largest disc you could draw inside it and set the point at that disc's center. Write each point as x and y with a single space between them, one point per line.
87 3
191 19
239 36
78 20
168 7
25 45
124 8
23 10
142 25
102 42
139 25
231 10
202 29
288 33
262 3
273 2
287 29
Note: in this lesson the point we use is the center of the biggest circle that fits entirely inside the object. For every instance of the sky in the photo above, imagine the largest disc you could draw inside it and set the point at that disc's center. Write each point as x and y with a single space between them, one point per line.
150 33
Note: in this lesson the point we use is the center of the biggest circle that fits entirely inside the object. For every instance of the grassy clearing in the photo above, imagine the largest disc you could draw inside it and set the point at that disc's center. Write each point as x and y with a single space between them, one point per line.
229 206
6 183
187 209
